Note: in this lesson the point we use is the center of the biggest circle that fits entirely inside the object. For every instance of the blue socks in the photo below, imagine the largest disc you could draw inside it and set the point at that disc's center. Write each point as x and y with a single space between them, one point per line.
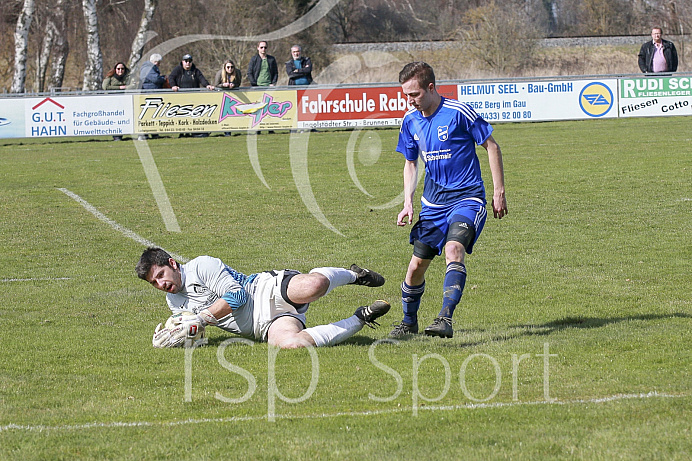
455 279
410 301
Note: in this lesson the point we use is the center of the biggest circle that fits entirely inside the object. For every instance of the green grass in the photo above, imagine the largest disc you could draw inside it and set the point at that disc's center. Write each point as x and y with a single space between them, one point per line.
593 262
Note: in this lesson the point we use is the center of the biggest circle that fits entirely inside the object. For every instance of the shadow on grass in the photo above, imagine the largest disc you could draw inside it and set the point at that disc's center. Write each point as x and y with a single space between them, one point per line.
589 322
515 331
360 340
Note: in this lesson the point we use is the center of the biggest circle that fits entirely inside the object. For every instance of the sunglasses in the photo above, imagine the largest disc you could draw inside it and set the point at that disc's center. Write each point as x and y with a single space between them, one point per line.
229 67
119 68
187 60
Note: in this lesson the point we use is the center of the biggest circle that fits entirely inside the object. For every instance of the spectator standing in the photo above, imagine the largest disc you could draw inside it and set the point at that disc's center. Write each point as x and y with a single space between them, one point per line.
262 70
187 75
229 77
149 74
299 68
118 78
658 55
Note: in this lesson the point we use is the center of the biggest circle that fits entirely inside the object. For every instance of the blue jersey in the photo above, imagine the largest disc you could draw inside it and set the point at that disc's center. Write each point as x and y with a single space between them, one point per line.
446 141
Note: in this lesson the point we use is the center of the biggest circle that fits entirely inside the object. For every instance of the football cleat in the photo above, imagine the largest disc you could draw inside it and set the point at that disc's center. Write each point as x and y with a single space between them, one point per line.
369 314
404 329
442 327
367 277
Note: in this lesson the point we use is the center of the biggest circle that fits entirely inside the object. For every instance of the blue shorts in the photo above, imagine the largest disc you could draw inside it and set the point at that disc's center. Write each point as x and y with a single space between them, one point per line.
433 222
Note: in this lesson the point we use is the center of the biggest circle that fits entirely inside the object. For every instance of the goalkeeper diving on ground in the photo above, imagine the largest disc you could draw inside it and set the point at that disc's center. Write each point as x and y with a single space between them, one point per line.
269 306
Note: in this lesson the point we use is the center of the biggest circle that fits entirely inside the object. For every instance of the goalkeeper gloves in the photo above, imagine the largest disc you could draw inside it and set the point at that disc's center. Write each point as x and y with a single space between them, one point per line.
174 336
182 328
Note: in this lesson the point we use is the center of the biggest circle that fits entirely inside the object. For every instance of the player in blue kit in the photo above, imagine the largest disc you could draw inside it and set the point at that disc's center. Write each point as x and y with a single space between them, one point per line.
444 133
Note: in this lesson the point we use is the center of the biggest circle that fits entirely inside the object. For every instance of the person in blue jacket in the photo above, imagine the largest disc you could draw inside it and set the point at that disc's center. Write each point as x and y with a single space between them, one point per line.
150 76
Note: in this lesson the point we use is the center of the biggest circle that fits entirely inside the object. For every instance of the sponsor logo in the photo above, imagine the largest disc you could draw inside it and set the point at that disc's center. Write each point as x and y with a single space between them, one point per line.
596 99
50 120
443 133
230 107
444 154
4 121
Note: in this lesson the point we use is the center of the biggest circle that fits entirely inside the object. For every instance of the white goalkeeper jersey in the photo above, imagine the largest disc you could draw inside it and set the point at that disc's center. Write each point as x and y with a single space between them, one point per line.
206 279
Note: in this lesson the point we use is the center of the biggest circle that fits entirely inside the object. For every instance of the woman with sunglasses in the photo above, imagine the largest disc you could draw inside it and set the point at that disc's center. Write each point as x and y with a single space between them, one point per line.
118 78
229 77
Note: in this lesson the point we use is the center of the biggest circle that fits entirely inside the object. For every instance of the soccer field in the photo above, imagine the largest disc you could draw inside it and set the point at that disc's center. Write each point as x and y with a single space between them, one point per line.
572 339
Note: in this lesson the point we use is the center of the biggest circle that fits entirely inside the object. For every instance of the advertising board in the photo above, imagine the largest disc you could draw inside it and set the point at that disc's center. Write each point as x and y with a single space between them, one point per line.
218 111
353 107
655 96
541 100
12 118
96 115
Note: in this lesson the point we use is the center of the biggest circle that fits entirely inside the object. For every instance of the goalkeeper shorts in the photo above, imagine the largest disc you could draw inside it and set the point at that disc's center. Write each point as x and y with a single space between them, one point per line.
270 301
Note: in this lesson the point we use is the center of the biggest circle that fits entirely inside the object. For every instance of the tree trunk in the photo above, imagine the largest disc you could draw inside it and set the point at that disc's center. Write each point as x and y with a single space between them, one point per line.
61 47
21 36
93 70
142 34
44 56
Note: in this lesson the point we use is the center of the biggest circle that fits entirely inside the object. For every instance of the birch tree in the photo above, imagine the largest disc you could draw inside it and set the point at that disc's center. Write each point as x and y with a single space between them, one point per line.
93 69
53 48
21 40
142 33
61 47
44 55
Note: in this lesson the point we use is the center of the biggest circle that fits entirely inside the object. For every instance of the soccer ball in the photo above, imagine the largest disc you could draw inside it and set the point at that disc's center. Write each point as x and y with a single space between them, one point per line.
189 321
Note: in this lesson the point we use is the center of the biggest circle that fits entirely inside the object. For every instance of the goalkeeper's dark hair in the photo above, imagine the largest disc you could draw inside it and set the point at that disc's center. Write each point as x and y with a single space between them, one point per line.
419 70
152 256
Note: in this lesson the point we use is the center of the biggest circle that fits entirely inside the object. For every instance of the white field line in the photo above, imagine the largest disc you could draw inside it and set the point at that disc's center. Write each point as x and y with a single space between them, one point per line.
39 279
125 231
470 406
157 187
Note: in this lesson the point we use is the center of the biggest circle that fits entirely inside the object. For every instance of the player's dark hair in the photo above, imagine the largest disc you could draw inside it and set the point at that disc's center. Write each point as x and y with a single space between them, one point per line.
152 256
419 70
